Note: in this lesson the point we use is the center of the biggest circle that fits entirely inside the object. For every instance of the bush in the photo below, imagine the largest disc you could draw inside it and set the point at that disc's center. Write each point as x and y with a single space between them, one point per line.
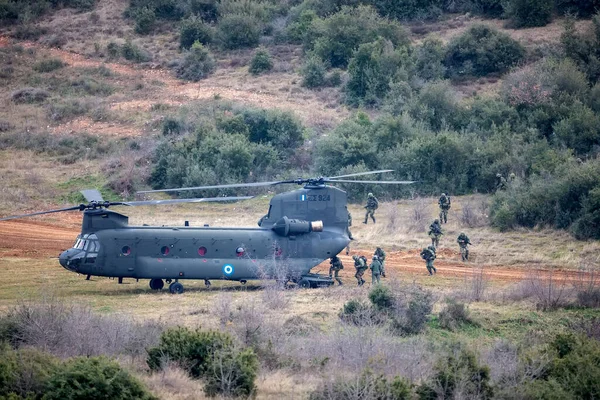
358 313
580 8
29 95
144 20
382 298
583 47
368 386
580 130
132 52
29 32
25 372
62 110
232 373
49 65
194 29
261 62
197 64
113 50
238 31
94 378
454 315
482 50
313 72
429 59
529 13
413 312
171 126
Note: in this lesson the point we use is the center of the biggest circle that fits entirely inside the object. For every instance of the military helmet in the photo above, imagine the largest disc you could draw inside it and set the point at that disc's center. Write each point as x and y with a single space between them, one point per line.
462 234
443 194
355 257
437 221
498 175
375 258
370 194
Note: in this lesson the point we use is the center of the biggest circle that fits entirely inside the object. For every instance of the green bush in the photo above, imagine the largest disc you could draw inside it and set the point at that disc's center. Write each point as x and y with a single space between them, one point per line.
49 65
238 31
482 50
29 95
25 372
62 110
429 59
530 13
232 373
580 8
411 317
488 8
279 128
459 370
261 62
132 52
197 64
579 130
194 29
94 378
382 298
436 105
410 10
313 72
583 47
113 50
298 30
171 126
453 315
144 20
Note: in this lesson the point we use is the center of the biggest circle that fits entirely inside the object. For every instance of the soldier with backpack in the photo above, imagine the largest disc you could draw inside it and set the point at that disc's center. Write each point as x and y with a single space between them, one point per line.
428 254
435 231
335 266
360 263
463 241
381 255
444 203
372 205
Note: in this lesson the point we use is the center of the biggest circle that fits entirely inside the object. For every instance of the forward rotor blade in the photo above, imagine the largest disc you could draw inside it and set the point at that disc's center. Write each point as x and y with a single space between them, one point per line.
376 182
361 173
233 185
92 195
177 201
40 213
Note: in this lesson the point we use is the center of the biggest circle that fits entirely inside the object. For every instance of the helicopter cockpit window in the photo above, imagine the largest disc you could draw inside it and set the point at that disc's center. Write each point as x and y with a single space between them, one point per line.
240 251
91 245
79 243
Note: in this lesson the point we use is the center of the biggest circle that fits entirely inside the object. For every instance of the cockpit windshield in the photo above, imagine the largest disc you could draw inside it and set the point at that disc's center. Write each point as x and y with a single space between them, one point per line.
88 242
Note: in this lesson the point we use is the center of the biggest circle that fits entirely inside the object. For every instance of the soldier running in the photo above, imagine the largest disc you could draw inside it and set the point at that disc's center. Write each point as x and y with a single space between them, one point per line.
444 203
463 241
372 205
375 270
428 254
435 231
381 256
335 266
360 263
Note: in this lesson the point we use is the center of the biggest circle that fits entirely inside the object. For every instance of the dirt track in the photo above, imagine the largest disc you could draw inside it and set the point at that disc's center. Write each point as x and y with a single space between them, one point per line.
34 239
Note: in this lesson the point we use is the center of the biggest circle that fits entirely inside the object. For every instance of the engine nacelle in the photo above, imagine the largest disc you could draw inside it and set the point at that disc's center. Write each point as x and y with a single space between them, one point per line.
286 227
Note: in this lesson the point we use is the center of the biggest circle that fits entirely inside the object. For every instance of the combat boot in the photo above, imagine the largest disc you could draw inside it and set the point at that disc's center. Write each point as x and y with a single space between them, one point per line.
373 219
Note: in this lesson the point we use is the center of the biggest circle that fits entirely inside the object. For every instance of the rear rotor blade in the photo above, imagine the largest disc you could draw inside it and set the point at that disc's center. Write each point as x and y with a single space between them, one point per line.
233 185
376 182
92 195
177 201
361 173
41 213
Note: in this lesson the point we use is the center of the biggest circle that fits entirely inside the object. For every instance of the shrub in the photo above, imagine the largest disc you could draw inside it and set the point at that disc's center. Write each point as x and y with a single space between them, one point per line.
580 130
356 312
583 47
171 126
62 110
232 373
29 95
454 315
279 128
29 32
94 378
144 20
193 350
382 298
529 13
261 62
436 105
238 31
132 52
25 372
113 50
49 65
581 8
488 8
482 50
429 59
313 72
197 64
194 29
366 386
413 312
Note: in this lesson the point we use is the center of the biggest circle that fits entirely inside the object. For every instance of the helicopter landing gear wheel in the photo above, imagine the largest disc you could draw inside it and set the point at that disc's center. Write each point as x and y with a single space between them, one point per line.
207 283
176 288
304 283
156 284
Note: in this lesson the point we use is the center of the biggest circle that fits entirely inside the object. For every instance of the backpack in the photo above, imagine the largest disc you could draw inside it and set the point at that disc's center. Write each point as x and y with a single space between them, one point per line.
364 259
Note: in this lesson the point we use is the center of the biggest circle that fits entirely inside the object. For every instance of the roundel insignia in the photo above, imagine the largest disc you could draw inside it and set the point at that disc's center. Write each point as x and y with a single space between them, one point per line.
228 269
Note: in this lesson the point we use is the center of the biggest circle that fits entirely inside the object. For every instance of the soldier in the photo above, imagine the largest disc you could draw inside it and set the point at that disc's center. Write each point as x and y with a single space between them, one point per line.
500 182
381 256
360 263
336 265
435 231
372 204
375 270
349 233
512 177
463 241
444 203
428 254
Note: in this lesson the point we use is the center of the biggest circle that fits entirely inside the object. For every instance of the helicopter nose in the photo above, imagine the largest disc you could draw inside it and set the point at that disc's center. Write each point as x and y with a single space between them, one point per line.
63 259
70 259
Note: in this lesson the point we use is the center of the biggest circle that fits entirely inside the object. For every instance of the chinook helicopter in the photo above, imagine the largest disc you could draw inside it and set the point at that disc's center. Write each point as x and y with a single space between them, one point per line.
301 229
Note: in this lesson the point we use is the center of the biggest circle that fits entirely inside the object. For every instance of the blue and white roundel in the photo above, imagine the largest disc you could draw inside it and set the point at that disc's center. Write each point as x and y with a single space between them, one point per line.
228 269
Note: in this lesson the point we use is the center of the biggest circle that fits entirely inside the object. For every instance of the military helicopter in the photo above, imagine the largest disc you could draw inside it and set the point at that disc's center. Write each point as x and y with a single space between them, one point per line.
301 229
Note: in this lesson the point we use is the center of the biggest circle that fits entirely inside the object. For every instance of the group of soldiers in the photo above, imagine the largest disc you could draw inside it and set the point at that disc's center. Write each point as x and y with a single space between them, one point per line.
377 267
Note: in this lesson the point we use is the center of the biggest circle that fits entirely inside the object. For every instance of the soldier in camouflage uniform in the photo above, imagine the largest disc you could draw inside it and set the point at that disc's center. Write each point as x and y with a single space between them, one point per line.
335 266
463 241
361 265
349 233
428 254
381 256
444 203
435 231
375 270
372 205
500 182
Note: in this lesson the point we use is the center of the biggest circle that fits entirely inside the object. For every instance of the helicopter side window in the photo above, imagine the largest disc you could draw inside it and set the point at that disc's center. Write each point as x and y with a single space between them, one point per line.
239 251
202 251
